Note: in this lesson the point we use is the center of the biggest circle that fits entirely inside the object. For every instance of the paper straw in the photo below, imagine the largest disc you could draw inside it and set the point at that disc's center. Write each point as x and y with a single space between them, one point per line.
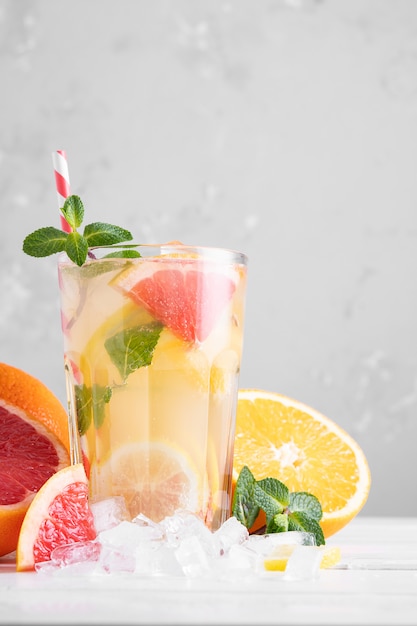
62 183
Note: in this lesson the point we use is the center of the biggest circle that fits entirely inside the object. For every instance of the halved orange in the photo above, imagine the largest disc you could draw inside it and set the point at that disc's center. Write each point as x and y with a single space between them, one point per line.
58 515
154 478
33 445
279 437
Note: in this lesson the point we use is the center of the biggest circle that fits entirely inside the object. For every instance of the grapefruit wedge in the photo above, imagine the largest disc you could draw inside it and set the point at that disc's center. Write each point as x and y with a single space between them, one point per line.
58 515
188 301
33 446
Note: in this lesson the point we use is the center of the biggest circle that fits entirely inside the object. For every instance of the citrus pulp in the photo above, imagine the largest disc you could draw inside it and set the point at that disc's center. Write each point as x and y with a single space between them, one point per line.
187 301
283 438
58 515
33 446
154 479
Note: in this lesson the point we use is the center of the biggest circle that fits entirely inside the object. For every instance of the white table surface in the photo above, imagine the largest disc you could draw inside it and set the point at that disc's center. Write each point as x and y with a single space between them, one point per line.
375 583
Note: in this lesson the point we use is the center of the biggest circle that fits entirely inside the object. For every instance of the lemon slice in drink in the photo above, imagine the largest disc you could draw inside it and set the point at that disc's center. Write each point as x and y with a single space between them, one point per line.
188 361
154 478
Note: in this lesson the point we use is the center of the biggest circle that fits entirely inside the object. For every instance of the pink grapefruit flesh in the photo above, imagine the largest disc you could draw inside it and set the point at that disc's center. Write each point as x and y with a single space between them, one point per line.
58 515
188 302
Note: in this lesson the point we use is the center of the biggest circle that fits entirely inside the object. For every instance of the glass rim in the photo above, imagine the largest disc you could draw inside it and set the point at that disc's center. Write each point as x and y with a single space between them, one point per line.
203 252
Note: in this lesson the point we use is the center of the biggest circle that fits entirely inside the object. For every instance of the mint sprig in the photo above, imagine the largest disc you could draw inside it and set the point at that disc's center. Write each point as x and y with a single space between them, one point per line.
284 510
50 240
133 348
128 350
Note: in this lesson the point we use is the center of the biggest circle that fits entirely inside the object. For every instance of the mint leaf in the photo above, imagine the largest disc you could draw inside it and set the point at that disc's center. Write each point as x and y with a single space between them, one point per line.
73 211
102 234
90 403
76 247
101 396
272 496
284 510
128 350
45 241
133 348
244 507
278 524
49 240
123 254
303 522
83 401
306 503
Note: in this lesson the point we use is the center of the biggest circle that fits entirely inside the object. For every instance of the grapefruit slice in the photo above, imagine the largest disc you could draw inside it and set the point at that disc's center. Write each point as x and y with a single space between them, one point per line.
33 446
187 301
58 515
277 436
154 479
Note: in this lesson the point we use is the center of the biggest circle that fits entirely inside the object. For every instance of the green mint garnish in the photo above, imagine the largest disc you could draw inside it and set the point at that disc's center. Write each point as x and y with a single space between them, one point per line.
133 348
90 403
244 507
123 254
302 501
49 240
129 350
272 496
284 510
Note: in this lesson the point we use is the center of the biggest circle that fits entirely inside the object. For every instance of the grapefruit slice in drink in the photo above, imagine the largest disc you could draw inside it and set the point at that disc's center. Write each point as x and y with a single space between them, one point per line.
33 444
186 300
58 515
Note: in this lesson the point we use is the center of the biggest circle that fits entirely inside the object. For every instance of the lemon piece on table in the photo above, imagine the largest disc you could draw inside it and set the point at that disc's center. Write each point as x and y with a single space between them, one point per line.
278 559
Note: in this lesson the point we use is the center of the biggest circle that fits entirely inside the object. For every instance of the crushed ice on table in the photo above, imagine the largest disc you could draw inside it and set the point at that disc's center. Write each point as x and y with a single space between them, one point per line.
179 545
303 564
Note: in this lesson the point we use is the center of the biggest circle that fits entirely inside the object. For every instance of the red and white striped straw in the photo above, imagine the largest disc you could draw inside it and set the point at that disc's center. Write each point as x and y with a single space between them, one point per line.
62 183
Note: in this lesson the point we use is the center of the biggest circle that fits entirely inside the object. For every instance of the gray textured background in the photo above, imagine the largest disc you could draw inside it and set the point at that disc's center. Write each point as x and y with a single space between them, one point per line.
286 129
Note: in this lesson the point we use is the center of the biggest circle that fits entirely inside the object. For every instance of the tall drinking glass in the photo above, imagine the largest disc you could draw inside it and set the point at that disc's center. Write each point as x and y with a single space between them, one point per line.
153 347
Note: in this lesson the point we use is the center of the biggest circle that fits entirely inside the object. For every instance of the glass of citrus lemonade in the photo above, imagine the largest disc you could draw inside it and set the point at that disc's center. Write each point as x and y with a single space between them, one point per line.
153 348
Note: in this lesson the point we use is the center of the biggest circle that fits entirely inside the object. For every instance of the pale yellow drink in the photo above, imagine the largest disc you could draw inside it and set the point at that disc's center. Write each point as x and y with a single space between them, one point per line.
153 348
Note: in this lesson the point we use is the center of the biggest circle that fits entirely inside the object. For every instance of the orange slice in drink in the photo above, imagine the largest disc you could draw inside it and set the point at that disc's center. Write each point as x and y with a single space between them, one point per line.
283 438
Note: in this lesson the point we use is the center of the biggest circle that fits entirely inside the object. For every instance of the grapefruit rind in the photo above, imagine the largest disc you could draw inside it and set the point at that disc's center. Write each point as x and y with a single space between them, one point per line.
13 513
25 396
31 395
43 430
